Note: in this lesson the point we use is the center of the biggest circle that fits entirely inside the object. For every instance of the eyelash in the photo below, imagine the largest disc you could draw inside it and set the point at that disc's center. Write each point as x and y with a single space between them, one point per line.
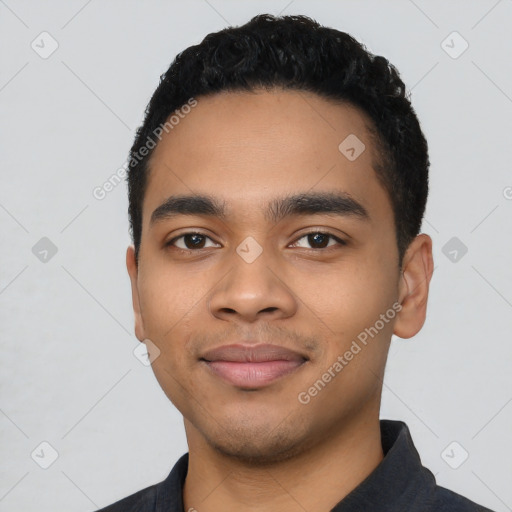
340 241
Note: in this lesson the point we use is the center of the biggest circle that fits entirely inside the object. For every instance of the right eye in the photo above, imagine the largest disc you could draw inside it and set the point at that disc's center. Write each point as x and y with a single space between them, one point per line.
190 241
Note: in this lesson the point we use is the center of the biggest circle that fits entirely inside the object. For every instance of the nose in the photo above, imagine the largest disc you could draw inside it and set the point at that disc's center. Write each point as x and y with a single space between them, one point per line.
252 291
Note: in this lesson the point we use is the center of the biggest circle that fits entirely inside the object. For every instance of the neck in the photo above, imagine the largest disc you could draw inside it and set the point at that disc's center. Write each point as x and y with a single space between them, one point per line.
314 480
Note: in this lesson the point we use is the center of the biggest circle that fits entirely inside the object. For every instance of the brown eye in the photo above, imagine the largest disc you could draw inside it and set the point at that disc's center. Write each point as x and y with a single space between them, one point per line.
319 240
191 241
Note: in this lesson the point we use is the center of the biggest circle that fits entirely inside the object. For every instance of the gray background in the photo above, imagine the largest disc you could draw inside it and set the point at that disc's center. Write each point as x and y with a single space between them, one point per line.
69 376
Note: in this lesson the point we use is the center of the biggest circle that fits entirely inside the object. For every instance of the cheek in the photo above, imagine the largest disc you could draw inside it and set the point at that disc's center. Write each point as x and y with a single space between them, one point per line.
169 302
352 297
168 297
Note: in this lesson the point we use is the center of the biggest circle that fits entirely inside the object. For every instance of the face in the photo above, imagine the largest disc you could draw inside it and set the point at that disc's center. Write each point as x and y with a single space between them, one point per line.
292 245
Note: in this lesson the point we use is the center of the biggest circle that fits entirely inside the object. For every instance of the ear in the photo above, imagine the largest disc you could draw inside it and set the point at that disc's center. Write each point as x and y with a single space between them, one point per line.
133 272
417 269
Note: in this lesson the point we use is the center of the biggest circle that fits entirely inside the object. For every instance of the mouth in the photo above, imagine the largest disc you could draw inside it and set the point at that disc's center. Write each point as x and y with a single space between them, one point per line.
252 366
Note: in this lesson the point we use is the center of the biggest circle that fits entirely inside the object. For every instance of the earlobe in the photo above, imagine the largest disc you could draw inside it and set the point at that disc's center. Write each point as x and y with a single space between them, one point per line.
133 272
414 287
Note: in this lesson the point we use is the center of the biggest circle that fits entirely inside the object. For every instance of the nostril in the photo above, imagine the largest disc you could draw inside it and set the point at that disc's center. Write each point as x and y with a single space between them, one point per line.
227 310
269 310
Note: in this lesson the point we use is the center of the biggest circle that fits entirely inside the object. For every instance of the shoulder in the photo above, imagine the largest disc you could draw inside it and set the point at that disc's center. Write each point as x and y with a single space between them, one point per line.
141 501
160 497
445 500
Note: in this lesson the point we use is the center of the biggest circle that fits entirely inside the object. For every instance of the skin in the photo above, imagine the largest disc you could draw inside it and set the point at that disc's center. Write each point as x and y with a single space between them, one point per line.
263 449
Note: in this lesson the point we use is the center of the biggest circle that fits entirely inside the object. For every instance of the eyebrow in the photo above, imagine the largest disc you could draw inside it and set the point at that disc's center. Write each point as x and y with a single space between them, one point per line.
339 203
187 205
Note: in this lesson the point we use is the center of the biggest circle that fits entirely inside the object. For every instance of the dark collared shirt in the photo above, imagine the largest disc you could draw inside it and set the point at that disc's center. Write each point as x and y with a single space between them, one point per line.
399 483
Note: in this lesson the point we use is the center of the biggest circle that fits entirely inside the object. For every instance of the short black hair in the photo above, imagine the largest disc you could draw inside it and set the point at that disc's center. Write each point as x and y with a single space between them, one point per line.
296 52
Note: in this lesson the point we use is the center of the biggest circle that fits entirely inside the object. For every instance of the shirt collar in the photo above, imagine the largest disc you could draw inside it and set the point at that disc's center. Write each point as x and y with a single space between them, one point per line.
399 482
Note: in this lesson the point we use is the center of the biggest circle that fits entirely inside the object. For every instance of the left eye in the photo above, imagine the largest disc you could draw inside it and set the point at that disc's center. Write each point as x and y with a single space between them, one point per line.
319 240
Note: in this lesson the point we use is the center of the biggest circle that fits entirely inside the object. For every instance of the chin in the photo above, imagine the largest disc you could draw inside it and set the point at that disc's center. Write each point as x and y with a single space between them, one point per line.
258 445
256 455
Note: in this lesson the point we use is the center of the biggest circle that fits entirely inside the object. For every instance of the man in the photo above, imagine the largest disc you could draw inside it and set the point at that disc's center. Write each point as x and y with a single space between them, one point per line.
277 188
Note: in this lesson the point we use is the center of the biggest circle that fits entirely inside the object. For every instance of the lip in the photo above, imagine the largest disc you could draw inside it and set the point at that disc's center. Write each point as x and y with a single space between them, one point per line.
252 366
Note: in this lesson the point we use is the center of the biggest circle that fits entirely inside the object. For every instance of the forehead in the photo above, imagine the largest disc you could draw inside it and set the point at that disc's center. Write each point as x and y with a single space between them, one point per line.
247 147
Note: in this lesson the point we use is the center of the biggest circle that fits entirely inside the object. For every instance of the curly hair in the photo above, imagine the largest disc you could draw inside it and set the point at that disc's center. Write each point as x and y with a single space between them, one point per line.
296 52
